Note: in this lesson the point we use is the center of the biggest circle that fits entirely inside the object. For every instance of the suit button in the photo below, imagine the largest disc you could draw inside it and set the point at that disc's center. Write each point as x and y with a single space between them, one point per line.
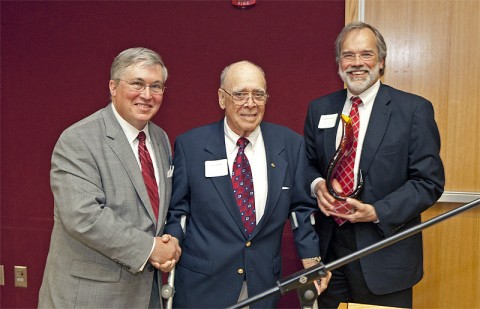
240 271
248 244
150 268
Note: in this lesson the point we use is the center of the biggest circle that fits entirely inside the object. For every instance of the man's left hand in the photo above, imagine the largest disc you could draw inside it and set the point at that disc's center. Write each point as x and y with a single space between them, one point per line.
363 212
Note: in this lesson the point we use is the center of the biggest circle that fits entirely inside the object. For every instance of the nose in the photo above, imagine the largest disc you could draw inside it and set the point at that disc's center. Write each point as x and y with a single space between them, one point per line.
358 61
146 93
249 102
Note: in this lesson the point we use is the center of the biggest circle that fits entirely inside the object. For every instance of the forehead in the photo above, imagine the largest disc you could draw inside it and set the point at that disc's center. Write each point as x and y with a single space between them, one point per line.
143 71
359 40
245 76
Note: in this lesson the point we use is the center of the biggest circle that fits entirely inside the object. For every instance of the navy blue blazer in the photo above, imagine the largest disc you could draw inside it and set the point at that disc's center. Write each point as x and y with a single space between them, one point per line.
217 256
403 176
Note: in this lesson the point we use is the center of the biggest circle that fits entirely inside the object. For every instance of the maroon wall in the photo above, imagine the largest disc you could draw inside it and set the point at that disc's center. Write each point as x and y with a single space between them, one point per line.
55 60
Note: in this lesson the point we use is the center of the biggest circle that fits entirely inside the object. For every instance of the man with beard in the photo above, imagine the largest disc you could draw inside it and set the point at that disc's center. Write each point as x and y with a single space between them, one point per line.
395 157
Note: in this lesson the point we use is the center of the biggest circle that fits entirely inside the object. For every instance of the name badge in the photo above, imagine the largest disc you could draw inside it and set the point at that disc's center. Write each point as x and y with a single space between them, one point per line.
327 121
216 168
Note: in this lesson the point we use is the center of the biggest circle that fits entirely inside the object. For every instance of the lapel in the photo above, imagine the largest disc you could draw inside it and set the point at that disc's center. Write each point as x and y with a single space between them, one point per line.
118 142
215 149
276 171
376 128
335 107
161 157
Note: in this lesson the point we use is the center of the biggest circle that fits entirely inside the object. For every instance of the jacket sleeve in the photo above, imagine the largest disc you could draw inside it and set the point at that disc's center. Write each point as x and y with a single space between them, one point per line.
180 202
302 209
424 179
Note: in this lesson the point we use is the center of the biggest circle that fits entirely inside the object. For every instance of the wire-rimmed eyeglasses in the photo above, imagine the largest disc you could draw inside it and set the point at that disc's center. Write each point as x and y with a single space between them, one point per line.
155 88
241 97
351 57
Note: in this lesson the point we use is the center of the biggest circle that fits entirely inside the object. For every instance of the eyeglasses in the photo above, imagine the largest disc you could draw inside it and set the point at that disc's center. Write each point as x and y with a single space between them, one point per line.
156 88
350 57
241 97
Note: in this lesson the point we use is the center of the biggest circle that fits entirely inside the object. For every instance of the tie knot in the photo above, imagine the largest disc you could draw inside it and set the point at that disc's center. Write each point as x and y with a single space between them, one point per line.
356 101
141 136
242 142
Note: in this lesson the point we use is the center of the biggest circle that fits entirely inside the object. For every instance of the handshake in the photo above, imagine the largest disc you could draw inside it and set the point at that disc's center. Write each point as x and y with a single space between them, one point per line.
166 253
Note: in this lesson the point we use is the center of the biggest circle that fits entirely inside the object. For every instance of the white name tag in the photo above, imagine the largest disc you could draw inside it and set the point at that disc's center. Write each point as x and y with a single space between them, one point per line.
327 121
216 168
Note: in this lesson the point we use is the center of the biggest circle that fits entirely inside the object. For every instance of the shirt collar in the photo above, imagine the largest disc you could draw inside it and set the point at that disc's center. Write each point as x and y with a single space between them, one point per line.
368 96
130 131
231 137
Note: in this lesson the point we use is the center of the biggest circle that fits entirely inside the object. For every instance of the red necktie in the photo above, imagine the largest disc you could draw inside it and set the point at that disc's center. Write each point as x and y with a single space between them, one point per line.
148 172
345 172
242 182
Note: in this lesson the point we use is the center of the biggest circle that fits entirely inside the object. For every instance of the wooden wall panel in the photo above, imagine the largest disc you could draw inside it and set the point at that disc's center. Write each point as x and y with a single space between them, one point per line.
452 269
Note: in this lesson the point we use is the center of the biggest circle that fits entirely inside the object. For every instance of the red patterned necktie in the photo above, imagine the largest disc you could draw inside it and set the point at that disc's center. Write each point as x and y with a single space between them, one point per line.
148 172
243 187
345 172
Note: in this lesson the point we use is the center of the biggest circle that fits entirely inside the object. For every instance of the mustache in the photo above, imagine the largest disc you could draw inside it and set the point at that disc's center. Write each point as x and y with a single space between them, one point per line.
361 68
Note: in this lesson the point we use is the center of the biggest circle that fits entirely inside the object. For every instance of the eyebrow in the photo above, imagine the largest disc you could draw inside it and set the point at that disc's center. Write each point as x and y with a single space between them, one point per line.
141 79
363 51
253 90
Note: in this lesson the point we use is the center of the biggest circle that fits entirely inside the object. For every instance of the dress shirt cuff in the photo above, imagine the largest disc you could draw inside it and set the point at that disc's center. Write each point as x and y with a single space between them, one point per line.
312 186
145 263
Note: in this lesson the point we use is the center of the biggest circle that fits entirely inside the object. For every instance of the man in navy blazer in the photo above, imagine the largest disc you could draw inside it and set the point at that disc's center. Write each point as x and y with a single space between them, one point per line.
398 153
221 263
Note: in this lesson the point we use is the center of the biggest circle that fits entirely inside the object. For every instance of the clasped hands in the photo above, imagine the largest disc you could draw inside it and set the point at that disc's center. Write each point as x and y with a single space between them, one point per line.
327 203
166 253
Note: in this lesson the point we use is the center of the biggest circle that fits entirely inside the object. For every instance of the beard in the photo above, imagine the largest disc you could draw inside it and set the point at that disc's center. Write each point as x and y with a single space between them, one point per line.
359 84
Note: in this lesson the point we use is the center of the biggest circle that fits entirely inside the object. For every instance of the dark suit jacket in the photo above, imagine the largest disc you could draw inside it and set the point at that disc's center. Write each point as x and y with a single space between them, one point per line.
403 176
104 224
217 256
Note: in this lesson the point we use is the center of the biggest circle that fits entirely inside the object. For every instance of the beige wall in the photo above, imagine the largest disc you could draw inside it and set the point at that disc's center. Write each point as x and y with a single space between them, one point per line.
433 51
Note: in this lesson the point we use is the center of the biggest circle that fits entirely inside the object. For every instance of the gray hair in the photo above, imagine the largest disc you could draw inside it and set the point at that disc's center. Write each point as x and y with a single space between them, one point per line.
135 55
358 25
225 71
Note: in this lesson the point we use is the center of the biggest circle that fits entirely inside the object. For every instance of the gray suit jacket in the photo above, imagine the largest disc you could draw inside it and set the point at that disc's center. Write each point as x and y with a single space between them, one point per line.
103 222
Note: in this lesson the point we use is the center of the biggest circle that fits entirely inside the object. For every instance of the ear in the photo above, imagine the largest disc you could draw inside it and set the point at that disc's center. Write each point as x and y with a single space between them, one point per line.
113 87
382 64
221 98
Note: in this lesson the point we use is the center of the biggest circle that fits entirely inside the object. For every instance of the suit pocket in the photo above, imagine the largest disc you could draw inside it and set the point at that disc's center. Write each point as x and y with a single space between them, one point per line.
196 264
95 271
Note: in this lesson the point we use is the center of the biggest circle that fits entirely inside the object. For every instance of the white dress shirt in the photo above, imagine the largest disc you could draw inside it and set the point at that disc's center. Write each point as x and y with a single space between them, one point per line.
131 132
364 111
255 152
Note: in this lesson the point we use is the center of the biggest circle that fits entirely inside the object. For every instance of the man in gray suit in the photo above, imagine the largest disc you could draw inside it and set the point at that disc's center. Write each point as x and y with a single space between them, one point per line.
105 249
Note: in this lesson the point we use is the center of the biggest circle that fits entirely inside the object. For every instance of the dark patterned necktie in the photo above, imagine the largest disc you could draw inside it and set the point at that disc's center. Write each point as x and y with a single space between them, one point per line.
345 173
148 173
243 187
